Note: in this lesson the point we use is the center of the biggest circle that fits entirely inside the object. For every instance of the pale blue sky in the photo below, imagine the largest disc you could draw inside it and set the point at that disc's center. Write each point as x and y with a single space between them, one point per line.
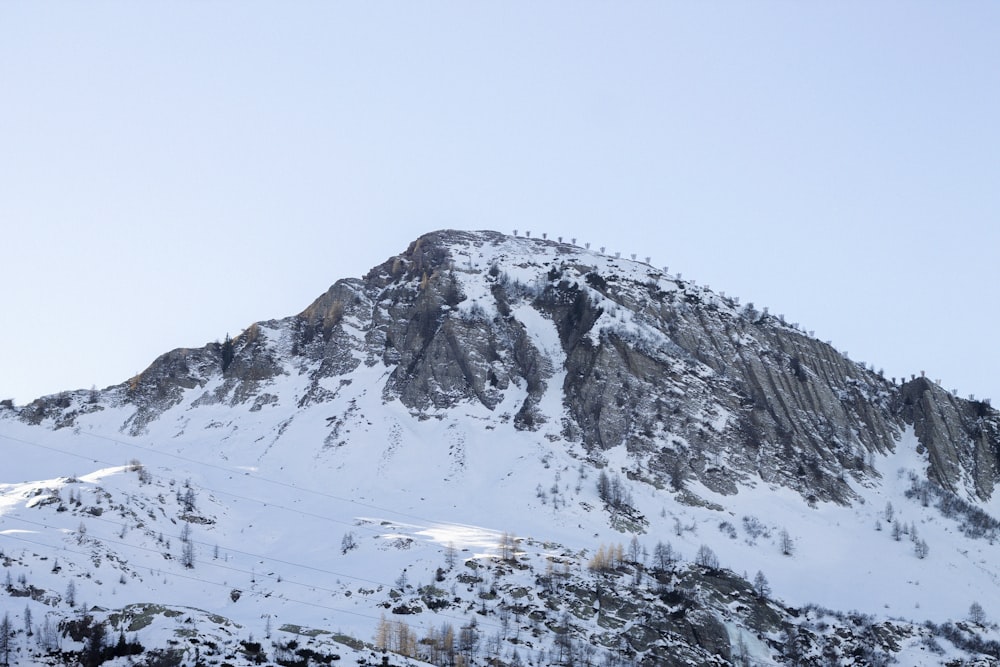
173 171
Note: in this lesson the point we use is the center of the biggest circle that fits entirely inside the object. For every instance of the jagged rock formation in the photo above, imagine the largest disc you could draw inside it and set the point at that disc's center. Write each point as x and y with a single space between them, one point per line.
616 366
962 437
696 385
686 377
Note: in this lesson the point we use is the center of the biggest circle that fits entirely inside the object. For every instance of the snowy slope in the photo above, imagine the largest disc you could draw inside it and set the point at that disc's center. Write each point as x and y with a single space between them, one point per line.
331 516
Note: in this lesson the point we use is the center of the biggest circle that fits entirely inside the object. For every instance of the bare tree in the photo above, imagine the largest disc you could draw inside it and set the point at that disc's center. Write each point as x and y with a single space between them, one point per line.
706 558
791 647
507 546
450 555
5 642
468 640
976 614
786 543
48 636
187 497
603 486
347 543
634 550
760 585
187 547
664 557
613 492
504 616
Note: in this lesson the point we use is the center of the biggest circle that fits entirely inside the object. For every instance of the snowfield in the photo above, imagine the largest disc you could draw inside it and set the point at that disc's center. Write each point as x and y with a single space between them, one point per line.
259 527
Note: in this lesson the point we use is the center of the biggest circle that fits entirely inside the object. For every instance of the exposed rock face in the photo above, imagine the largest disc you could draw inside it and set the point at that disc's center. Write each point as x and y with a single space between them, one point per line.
962 437
701 387
704 377
443 354
693 384
597 354
163 384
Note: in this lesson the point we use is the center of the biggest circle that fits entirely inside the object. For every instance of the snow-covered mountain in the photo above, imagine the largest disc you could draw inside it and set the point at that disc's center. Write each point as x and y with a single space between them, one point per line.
504 450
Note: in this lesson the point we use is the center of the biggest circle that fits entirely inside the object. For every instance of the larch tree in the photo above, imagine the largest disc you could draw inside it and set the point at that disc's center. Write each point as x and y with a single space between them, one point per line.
71 593
5 638
706 558
450 555
760 585
786 543
187 547
976 614
664 557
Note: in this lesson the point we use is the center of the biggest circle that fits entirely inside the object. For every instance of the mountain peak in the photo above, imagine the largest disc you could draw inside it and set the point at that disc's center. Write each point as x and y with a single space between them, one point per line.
480 386
593 350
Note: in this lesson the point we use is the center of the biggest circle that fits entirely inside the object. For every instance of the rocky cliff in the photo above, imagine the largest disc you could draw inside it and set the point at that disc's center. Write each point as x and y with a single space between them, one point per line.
697 386
477 382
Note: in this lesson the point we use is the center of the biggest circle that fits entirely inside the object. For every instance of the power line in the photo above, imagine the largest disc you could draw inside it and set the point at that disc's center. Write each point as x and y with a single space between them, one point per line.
233 550
277 506
214 563
225 469
200 579
205 488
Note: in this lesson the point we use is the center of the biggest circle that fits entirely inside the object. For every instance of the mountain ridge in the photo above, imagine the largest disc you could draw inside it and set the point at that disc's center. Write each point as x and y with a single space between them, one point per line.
442 349
479 385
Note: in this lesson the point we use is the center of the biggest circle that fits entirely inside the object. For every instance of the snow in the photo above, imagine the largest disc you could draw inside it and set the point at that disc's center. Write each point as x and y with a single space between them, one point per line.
282 510
278 501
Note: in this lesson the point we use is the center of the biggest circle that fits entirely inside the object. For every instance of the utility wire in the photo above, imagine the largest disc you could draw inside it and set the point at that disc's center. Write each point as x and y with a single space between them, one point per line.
200 580
246 498
277 506
259 478
203 580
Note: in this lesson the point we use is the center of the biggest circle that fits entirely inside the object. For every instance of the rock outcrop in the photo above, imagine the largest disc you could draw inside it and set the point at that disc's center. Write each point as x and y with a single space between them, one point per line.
693 384
615 369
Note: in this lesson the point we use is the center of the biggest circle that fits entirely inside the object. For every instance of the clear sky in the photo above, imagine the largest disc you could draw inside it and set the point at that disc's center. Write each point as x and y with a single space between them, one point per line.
173 171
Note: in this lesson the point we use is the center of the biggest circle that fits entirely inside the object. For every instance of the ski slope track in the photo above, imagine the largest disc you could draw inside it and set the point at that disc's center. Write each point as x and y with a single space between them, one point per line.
501 450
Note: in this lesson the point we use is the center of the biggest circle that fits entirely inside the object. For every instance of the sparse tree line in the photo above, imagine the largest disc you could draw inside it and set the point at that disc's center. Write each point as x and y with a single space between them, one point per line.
973 521
556 492
450 645
440 645
665 561
870 643
444 646
899 529
612 491
472 643
97 645
186 499
613 556
606 558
